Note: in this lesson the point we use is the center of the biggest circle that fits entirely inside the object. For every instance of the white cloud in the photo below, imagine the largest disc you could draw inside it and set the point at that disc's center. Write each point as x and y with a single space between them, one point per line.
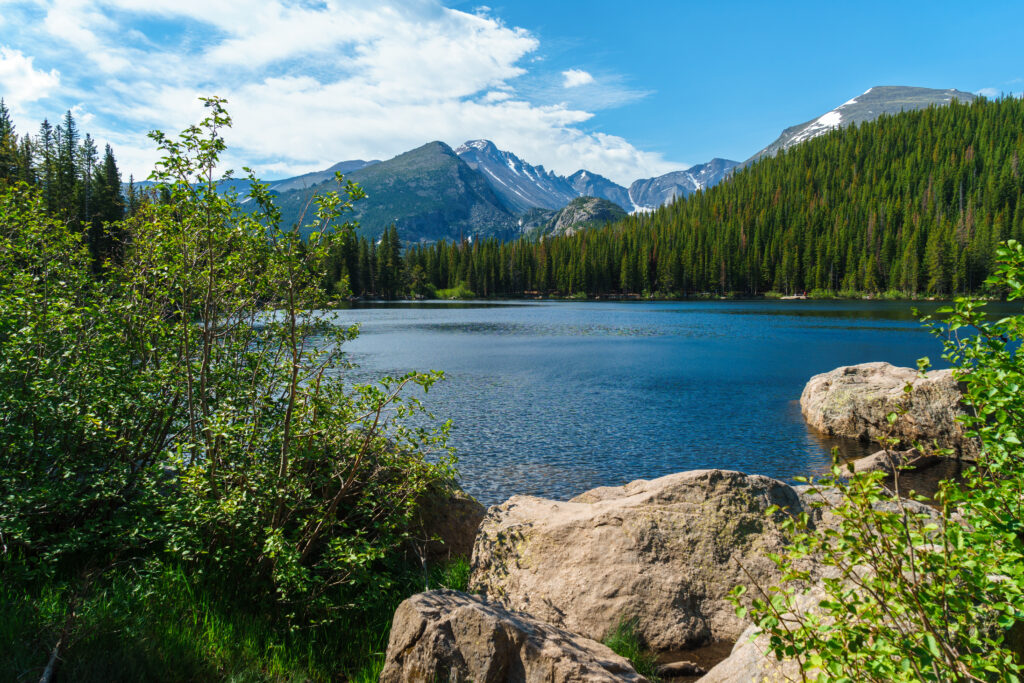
20 82
576 77
497 96
309 86
987 92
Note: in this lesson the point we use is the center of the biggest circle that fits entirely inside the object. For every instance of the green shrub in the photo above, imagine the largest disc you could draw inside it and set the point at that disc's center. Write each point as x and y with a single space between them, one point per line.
133 622
460 291
915 599
191 405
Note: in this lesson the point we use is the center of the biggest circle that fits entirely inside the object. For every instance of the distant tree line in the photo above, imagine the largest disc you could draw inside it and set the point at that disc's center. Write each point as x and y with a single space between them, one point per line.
77 184
911 204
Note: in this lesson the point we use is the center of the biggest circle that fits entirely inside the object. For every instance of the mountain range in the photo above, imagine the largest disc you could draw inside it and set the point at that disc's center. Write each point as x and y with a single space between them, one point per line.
435 192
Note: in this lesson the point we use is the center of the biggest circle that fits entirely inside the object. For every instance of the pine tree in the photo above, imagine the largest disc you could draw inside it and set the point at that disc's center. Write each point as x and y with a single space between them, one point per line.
133 202
47 165
8 147
68 189
107 207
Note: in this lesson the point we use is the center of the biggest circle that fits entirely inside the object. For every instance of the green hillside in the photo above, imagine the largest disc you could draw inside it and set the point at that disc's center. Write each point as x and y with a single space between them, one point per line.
911 204
428 193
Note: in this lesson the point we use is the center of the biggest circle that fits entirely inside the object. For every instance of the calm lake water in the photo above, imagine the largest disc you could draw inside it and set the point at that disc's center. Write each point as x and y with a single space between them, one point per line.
554 398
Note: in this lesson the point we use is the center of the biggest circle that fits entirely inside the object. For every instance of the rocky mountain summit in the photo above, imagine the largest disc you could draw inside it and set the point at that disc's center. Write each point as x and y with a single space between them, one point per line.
650 193
868 106
520 185
581 213
589 184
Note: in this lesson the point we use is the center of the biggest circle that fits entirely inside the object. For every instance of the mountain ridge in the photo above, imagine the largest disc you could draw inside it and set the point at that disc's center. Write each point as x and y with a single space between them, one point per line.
437 192
868 106
521 185
428 193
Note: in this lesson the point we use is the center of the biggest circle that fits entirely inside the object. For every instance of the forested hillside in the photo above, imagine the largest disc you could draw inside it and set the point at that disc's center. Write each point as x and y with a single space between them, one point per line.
910 204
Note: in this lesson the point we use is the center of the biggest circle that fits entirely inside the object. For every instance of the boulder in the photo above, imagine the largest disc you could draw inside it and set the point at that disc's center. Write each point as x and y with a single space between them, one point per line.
454 637
819 501
664 553
748 663
853 402
889 461
680 669
446 522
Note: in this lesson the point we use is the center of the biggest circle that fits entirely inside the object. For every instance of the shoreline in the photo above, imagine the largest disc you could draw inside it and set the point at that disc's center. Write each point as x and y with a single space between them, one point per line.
631 298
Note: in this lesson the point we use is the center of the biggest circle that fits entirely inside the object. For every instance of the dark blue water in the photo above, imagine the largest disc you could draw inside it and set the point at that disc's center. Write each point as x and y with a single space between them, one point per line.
553 398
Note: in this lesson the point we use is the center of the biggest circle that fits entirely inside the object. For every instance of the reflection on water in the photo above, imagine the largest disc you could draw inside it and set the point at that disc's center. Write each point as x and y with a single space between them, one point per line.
553 398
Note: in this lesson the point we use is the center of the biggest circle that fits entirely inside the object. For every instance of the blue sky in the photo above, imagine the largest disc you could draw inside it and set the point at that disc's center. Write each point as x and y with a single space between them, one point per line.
626 90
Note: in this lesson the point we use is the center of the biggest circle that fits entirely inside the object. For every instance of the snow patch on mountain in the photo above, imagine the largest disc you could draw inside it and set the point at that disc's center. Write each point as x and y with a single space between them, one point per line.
820 125
520 185
868 106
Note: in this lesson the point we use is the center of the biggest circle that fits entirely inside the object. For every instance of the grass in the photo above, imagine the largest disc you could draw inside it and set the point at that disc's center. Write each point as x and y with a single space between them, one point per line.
161 623
625 642
461 291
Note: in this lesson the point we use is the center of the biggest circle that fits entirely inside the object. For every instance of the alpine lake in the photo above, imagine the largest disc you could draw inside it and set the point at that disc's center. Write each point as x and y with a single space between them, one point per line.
551 398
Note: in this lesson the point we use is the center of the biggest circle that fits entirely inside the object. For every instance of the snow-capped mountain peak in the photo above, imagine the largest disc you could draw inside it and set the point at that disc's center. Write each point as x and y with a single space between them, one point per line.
520 185
649 193
868 106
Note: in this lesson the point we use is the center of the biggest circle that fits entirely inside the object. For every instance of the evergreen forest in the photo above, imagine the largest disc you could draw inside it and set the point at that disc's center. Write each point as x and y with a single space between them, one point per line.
909 205
76 183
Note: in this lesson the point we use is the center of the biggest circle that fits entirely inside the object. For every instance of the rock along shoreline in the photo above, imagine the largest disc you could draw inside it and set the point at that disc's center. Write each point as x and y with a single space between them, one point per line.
550 578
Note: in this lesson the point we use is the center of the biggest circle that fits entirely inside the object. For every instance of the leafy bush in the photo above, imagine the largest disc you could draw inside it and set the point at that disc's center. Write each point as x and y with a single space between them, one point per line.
82 430
191 404
460 291
916 596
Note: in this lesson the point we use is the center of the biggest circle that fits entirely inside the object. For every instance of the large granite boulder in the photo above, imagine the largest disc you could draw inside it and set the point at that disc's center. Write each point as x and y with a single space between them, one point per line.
853 401
446 522
664 553
454 637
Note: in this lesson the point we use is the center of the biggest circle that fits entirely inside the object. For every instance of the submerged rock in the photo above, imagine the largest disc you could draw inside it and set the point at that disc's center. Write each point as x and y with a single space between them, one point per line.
683 668
664 553
853 401
454 637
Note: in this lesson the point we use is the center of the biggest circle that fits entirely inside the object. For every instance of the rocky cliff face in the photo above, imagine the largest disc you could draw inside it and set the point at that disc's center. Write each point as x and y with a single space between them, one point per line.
650 193
520 185
584 213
